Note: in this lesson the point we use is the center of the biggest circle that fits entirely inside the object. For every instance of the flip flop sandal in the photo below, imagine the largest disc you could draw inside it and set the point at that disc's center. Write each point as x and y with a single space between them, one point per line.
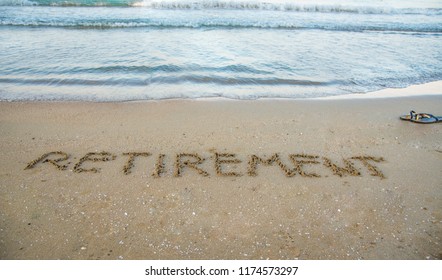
409 117
413 115
426 118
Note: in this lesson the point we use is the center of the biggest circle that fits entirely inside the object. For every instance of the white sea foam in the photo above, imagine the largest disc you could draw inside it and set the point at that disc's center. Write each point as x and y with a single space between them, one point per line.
263 19
427 89
322 6
362 7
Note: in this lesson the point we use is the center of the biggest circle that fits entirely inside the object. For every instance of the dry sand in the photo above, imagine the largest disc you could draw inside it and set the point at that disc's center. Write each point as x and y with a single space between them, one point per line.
50 213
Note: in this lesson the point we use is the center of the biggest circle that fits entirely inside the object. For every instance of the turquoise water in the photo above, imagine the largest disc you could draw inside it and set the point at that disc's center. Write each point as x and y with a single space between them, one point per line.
129 50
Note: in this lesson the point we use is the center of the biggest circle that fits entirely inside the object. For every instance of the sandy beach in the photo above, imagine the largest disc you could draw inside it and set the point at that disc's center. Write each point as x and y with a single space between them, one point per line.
264 179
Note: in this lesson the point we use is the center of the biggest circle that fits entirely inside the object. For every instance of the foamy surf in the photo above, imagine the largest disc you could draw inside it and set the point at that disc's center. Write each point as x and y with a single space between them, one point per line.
331 6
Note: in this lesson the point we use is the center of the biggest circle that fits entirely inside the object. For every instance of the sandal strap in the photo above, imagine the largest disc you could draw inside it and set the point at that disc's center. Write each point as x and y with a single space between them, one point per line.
424 116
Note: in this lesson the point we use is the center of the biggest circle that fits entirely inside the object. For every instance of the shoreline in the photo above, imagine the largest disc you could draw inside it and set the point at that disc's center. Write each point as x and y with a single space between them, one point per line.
426 89
251 204
420 90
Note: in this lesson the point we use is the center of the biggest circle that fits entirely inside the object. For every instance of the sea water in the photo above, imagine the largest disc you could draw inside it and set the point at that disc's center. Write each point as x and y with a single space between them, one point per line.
116 50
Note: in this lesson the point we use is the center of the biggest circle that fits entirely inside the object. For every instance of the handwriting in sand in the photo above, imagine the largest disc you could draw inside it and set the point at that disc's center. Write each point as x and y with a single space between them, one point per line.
222 164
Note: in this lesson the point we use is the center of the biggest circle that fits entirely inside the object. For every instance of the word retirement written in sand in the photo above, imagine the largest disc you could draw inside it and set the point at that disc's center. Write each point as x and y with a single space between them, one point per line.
223 164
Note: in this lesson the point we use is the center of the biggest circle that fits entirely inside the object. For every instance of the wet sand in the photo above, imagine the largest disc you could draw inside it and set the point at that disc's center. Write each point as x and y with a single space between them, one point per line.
275 179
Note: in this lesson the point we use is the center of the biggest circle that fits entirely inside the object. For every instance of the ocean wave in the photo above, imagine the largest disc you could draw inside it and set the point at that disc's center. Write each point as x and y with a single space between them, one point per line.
168 68
195 79
229 24
17 3
276 5
296 6
68 3
144 69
